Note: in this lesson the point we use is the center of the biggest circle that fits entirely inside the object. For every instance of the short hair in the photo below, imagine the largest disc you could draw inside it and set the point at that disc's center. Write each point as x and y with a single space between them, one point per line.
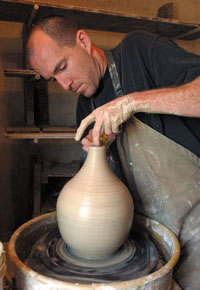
62 29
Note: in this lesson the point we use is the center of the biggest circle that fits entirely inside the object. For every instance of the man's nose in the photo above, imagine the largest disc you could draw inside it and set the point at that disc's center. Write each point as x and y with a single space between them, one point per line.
64 83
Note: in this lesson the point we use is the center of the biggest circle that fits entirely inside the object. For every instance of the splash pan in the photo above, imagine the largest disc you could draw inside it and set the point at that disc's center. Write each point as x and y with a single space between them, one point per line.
34 241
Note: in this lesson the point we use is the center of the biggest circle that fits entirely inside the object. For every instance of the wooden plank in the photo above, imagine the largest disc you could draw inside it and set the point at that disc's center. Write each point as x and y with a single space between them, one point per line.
51 129
46 129
95 19
40 135
190 35
25 129
21 73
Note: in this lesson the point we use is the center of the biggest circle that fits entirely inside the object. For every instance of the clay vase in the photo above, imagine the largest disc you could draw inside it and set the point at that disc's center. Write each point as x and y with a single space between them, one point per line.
94 209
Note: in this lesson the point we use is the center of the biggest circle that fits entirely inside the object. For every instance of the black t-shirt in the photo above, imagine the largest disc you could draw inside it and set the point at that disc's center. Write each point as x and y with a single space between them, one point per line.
147 61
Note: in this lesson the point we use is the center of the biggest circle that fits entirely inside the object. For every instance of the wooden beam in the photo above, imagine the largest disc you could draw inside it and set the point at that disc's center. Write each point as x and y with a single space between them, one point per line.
33 15
95 19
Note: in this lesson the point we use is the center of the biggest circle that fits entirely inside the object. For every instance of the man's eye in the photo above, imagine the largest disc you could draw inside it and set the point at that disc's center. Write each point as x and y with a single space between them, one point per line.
62 67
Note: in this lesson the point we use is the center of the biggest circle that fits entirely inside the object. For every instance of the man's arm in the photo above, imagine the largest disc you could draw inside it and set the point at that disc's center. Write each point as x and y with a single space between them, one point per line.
183 100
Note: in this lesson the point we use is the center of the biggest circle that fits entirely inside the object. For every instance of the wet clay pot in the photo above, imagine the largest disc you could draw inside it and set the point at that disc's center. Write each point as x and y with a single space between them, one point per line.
94 209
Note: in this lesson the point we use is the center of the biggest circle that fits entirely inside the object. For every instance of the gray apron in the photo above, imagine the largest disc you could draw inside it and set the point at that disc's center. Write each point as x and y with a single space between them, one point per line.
164 179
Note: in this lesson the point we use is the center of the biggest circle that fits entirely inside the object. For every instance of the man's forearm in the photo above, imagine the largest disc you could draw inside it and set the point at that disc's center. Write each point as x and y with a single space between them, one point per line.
183 100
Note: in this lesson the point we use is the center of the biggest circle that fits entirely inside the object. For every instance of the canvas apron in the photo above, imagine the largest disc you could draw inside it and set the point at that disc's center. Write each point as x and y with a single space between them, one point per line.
164 179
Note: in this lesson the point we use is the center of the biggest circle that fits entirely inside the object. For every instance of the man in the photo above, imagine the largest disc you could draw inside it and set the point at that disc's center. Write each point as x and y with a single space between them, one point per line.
150 77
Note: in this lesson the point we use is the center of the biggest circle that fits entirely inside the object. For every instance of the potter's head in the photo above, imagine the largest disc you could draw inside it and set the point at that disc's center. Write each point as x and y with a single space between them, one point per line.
58 50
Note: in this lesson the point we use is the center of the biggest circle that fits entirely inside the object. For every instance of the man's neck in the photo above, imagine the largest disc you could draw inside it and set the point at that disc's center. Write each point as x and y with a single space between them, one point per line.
100 57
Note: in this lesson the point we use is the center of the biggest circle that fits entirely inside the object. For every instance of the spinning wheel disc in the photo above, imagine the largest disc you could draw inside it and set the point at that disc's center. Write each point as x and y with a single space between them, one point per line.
50 256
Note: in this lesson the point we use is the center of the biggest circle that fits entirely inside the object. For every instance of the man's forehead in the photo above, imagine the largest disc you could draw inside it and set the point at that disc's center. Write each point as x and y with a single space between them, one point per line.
39 38
40 56
46 55
36 39
42 46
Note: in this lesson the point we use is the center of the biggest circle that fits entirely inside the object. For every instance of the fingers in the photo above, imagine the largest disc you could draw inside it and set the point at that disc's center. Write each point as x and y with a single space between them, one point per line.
115 128
107 127
107 120
97 131
111 138
102 126
87 141
83 126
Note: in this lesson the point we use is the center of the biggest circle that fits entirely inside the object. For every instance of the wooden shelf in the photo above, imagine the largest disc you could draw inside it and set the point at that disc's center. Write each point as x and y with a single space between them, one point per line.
21 73
36 133
96 19
40 135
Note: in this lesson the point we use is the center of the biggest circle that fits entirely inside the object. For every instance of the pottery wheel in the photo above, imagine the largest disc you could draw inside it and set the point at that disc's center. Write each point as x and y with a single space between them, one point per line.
51 257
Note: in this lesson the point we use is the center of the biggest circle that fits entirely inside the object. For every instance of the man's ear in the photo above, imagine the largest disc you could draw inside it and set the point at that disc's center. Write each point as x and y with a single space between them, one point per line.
83 39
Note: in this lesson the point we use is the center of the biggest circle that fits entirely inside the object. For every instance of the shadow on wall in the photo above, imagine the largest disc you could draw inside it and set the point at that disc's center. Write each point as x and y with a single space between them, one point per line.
9 58
15 198
13 104
20 178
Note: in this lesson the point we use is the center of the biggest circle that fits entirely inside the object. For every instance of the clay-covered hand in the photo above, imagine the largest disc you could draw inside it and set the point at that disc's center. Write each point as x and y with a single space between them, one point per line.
88 140
107 118
181 100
